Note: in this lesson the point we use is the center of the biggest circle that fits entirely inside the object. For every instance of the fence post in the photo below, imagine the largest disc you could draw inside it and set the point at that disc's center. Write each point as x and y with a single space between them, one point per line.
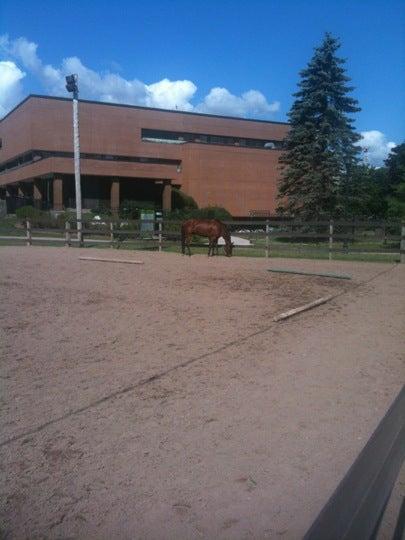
330 239
402 245
28 235
112 234
345 245
160 234
267 238
68 242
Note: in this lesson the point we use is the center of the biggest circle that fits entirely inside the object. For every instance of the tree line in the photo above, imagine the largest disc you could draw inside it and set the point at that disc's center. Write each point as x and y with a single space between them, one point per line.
322 173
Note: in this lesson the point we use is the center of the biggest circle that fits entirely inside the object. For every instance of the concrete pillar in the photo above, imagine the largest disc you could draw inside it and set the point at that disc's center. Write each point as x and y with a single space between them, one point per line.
37 193
24 189
57 194
115 195
11 191
167 196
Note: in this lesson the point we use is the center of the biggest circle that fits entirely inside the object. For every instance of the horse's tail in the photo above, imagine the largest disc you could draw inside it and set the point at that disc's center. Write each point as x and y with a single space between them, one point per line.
226 235
183 240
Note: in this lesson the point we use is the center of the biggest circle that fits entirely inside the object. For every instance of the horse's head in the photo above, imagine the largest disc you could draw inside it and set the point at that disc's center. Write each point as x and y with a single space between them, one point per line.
228 249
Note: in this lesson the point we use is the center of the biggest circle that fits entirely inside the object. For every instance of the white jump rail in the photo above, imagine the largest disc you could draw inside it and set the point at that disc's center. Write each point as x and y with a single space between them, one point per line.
99 259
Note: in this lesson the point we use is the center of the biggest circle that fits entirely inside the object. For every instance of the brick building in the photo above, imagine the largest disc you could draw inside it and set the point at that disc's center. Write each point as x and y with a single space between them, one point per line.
138 153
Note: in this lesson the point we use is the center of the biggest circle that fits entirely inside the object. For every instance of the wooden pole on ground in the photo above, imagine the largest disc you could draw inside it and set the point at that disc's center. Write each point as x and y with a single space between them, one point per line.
402 245
305 307
125 261
302 273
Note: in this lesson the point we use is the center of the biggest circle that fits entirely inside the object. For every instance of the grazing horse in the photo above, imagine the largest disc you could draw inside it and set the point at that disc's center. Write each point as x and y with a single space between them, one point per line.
213 229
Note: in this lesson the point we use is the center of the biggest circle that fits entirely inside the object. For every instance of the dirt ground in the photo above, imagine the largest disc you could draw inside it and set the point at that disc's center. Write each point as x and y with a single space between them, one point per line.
161 401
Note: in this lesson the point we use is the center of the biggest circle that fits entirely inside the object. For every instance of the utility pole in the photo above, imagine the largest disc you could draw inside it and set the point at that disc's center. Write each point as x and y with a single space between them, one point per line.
72 87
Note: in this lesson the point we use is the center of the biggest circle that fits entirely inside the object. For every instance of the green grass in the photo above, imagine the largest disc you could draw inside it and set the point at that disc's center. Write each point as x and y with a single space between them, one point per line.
238 252
292 253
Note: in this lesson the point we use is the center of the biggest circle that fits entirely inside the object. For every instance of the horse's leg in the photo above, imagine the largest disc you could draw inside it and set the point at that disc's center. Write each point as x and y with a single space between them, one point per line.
211 247
188 239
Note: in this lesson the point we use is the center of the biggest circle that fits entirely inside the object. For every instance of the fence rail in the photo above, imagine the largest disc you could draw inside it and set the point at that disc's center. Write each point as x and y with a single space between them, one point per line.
262 238
356 509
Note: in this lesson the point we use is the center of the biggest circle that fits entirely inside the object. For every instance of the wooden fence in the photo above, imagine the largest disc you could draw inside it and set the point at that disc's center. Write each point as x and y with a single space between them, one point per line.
262 238
356 509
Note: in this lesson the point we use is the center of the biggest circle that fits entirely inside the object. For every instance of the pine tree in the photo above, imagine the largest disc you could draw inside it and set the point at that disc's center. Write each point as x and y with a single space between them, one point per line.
320 147
395 164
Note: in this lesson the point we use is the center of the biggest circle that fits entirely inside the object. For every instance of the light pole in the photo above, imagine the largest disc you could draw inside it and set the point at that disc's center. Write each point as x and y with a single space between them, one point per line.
72 86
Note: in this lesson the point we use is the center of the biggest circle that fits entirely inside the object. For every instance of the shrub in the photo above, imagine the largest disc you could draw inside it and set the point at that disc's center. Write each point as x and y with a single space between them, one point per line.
28 212
132 209
38 218
102 211
59 220
181 201
214 212
210 212
45 220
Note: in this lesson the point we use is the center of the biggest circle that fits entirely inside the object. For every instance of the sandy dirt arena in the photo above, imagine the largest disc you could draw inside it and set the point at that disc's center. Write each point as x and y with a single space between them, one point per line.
161 401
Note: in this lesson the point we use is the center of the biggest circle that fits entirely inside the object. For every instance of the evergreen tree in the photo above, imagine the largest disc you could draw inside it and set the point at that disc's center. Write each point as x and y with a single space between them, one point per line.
320 147
395 164
369 188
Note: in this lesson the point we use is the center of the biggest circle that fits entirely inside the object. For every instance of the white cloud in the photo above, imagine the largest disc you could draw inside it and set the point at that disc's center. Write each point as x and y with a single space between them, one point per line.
112 87
171 94
26 51
251 103
376 145
10 86
105 87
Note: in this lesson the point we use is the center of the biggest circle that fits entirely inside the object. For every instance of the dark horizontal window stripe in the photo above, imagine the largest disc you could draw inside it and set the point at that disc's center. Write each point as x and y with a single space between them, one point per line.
27 158
158 135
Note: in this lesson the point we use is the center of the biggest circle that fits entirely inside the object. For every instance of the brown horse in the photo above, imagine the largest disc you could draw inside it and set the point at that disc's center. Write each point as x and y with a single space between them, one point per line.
213 229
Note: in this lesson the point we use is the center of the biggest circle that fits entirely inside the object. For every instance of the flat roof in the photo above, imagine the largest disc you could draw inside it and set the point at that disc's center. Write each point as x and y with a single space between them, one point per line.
38 96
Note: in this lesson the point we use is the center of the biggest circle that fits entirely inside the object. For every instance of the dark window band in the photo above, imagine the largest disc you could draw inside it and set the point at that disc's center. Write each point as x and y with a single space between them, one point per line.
178 137
36 155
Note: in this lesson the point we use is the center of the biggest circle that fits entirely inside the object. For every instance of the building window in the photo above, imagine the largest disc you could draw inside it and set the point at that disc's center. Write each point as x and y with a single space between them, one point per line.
171 137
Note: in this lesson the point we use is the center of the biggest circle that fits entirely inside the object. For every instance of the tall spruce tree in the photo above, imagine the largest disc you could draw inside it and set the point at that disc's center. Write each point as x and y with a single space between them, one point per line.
395 164
320 147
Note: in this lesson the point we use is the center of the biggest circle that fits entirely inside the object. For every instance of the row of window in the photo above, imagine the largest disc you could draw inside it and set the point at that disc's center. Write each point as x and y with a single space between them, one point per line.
155 135
35 155
151 135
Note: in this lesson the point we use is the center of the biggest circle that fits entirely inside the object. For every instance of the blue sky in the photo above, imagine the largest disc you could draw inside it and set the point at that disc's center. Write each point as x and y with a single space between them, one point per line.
224 57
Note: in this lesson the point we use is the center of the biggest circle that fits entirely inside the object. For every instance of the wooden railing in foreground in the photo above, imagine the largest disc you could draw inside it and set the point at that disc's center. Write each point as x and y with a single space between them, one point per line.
356 509
316 237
